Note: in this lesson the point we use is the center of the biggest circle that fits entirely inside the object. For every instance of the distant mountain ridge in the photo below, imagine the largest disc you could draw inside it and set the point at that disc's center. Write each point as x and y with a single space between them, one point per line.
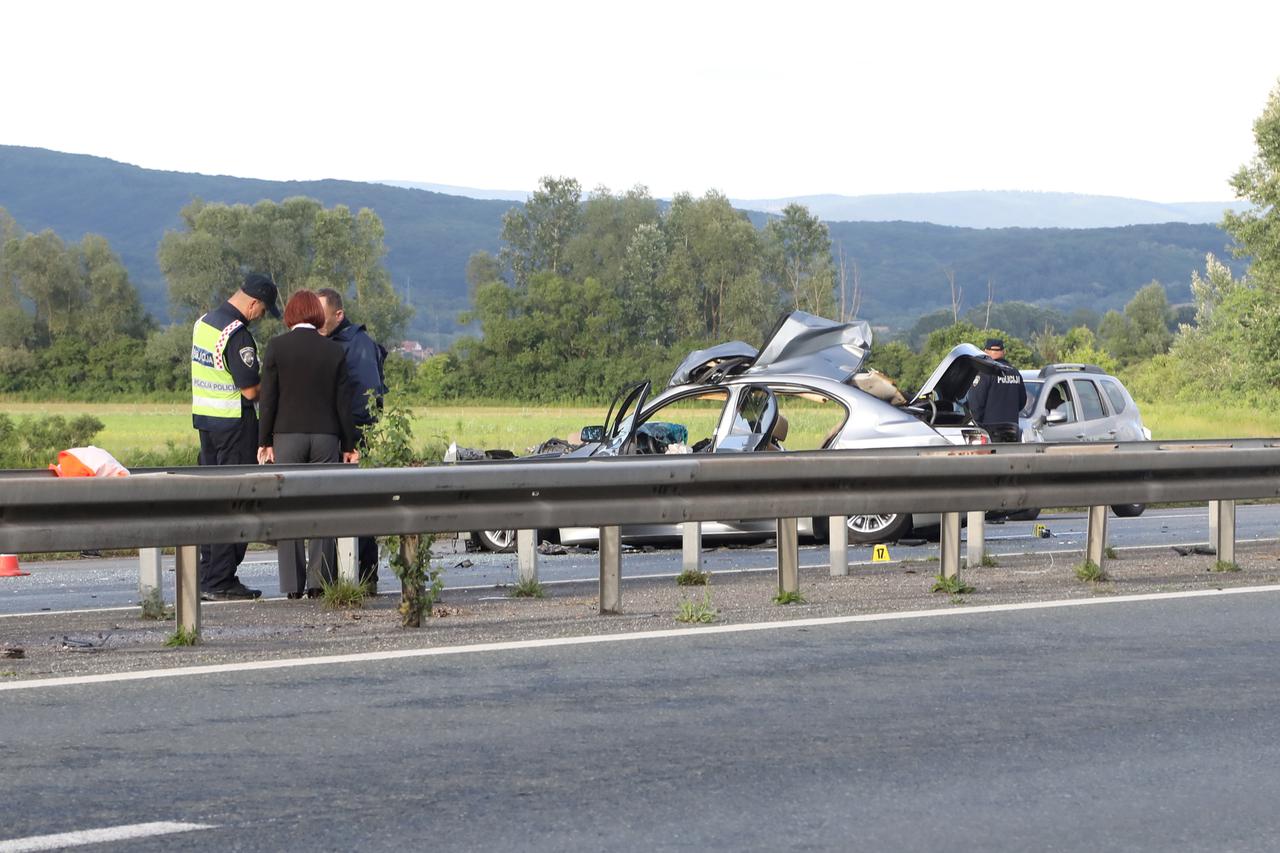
965 209
470 192
1000 209
430 235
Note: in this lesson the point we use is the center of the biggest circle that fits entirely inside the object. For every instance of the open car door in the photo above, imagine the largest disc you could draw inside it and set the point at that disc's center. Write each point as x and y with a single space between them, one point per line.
750 423
620 424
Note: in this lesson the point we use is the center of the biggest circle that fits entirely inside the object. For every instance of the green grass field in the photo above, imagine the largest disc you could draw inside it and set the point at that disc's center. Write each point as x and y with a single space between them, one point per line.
150 427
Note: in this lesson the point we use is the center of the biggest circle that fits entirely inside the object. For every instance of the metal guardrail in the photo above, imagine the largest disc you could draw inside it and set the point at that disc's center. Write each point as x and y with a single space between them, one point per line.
259 504
255 504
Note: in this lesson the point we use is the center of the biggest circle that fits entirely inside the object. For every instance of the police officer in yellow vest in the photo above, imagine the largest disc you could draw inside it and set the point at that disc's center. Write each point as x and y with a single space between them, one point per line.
224 385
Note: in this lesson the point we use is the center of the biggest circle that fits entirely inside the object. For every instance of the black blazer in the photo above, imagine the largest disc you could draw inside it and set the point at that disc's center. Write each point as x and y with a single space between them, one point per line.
305 388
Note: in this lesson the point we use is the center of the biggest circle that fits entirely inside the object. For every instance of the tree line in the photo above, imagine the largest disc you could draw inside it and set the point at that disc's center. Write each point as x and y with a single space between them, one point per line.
587 293
72 324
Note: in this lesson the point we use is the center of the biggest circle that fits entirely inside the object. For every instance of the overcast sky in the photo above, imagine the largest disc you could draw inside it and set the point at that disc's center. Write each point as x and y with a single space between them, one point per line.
755 99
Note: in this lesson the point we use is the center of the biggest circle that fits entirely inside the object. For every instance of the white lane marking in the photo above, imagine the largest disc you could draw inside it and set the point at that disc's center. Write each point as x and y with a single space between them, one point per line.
129 607
513 645
97 836
65 612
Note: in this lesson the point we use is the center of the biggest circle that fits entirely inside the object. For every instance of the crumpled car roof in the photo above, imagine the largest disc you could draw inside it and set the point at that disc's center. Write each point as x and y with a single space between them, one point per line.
800 343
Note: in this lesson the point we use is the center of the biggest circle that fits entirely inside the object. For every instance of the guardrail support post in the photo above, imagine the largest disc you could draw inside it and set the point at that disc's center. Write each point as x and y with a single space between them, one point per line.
150 578
1225 536
977 538
949 544
610 570
788 555
347 559
838 539
1095 550
527 555
1213 522
186 592
691 545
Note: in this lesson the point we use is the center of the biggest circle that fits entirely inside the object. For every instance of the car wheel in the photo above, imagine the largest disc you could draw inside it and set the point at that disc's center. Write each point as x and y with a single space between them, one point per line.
1024 515
869 529
1128 510
502 541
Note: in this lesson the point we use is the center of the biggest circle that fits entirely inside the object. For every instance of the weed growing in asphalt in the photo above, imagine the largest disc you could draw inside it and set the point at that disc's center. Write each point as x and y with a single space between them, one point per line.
183 637
952 586
153 607
1110 552
697 611
1225 566
692 577
989 561
343 593
528 588
790 598
389 444
1091 572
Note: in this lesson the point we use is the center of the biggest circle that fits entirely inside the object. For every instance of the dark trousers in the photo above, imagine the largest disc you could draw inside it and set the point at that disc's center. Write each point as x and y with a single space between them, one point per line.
306 568
1004 433
236 445
366 546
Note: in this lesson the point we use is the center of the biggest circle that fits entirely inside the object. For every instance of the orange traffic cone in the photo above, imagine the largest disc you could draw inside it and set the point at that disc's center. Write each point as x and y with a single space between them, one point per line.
9 566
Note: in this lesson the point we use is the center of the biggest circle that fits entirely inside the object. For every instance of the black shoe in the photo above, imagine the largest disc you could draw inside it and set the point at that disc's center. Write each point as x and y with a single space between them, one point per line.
293 596
239 592
315 592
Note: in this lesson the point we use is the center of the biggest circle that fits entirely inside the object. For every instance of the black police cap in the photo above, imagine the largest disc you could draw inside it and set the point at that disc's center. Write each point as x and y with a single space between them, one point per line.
263 289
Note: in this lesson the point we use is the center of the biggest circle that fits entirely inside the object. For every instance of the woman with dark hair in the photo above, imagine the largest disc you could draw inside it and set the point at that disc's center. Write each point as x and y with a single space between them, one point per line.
305 416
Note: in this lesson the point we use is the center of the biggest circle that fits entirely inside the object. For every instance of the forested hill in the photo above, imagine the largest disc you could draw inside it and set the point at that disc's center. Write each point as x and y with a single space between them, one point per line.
903 266
429 235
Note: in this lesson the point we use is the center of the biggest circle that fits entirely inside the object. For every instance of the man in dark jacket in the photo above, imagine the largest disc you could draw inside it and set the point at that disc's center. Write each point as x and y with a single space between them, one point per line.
996 398
364 369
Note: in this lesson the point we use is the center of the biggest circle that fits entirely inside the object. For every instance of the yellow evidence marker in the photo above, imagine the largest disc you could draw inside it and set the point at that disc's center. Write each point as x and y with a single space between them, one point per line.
1039 530
880 554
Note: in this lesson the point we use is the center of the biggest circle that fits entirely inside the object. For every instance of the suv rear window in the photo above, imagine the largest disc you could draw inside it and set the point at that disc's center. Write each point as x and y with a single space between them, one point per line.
1114 394
1090 400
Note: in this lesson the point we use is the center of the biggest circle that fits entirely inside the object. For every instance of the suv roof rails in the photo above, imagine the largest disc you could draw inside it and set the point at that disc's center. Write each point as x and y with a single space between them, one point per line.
1050 369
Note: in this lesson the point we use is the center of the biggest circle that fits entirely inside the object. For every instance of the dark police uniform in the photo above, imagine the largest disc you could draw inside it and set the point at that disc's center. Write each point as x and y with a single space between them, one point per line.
364 369
224 359
995 401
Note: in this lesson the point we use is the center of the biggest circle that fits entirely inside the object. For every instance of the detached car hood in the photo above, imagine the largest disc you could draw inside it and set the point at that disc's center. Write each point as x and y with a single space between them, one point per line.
955 374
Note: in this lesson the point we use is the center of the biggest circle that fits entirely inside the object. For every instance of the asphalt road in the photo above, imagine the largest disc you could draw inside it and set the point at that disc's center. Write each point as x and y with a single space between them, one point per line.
1112 726
89 583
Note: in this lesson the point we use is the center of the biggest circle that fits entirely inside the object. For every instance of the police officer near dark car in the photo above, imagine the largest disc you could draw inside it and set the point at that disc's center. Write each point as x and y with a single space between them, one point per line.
996 398
365 357
224 386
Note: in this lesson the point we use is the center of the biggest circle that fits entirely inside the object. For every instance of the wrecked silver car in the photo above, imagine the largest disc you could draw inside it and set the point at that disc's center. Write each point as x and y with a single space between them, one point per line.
805 389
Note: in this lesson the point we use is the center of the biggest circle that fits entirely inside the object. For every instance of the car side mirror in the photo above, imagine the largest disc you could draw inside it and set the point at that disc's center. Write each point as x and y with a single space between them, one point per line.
1056 417
594 432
